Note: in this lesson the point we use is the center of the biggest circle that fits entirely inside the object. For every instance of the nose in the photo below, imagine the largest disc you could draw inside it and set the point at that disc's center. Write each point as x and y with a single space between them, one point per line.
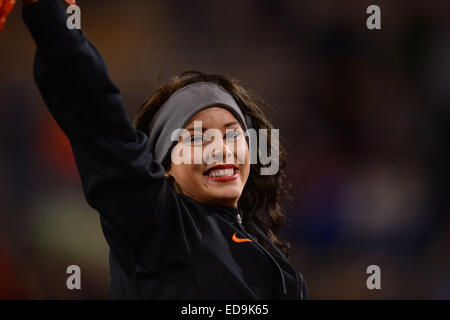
220 149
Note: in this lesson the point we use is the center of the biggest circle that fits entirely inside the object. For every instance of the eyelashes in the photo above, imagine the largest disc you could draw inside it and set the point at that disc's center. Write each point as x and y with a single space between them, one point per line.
230 135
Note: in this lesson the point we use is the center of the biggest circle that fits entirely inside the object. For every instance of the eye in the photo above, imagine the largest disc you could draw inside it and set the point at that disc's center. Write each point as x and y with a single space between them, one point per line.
231 134
195 140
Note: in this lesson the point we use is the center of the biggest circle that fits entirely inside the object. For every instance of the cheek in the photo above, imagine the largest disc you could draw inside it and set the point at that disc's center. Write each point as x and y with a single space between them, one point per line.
241 151
247 160
186 154
245 169
192 177
191 173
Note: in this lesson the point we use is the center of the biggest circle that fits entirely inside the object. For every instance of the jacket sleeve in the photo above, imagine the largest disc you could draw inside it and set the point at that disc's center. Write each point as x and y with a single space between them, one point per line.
119 176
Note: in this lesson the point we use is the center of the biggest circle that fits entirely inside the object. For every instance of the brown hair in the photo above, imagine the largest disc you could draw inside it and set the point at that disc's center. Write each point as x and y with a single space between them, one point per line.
261 197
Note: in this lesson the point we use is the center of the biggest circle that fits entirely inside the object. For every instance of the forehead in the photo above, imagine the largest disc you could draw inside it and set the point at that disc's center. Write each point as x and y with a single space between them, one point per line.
213 117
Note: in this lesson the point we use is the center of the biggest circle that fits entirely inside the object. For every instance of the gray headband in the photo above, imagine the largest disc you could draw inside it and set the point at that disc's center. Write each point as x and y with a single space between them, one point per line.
182 106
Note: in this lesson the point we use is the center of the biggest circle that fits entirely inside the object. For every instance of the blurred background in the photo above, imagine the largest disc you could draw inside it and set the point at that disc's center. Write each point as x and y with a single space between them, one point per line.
364 115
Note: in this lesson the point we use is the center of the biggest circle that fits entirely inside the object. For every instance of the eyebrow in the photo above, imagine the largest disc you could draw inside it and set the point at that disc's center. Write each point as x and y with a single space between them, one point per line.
226 125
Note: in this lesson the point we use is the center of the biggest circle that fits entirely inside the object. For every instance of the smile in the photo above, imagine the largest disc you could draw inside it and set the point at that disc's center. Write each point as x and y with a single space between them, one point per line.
222 173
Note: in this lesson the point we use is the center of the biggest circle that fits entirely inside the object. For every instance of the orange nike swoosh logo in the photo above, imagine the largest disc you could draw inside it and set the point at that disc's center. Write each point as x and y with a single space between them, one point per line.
239 240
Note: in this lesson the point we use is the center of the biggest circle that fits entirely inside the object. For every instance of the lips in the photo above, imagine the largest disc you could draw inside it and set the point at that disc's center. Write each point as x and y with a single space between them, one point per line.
222 168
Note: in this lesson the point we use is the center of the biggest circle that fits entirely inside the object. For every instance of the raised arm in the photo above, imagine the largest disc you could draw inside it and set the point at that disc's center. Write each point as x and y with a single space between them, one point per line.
120 179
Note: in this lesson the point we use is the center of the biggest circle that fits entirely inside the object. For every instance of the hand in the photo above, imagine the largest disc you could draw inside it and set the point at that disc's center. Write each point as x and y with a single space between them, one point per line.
6 7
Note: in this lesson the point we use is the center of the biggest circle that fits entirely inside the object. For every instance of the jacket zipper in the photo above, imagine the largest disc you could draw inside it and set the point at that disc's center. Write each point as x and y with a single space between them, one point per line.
297 276
238 219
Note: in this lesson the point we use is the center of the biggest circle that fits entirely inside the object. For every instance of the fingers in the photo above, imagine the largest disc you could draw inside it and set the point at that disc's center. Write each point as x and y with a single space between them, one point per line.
5 8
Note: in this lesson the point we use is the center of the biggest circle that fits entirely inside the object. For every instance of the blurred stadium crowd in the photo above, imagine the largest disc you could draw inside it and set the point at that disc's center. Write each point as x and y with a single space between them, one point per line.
364 115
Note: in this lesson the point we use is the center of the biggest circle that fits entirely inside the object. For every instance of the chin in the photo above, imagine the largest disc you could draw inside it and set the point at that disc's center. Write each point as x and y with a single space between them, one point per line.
227 196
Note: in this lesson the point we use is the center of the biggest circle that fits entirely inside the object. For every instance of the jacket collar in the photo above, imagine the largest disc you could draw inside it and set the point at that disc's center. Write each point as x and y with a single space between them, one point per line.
235 212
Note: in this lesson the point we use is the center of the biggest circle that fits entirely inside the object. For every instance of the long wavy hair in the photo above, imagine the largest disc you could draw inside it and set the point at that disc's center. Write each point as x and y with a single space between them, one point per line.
262 194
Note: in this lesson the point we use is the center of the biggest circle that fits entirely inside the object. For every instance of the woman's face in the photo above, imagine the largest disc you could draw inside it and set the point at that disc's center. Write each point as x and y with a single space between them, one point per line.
212 182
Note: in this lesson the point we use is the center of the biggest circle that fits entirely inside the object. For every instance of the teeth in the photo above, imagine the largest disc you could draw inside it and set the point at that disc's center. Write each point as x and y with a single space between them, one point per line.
221 173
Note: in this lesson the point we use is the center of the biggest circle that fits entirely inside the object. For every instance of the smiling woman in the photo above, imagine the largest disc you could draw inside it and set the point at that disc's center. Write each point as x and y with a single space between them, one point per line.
207 230
259 196
221 184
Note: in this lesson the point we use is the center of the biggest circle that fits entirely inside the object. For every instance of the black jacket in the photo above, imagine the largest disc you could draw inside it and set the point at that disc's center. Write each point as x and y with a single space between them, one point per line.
164 245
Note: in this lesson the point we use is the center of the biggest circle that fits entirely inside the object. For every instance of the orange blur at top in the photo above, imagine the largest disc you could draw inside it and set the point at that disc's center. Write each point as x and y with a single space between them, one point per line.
6 7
